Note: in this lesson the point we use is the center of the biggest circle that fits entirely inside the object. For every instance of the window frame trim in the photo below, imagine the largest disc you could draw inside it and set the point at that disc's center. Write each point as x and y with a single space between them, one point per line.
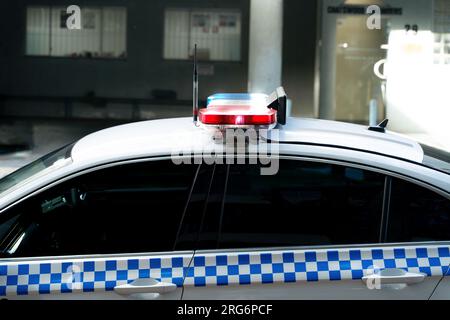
95 256
386 206
323 247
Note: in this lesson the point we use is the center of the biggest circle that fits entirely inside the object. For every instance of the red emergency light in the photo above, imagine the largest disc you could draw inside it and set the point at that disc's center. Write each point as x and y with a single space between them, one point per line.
237 115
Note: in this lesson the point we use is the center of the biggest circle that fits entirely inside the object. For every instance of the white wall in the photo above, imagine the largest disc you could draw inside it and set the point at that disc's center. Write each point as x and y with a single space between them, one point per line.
417 88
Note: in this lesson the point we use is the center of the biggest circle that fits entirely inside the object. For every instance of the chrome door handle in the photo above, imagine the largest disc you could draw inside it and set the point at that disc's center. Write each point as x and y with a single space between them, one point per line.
147 285
394 276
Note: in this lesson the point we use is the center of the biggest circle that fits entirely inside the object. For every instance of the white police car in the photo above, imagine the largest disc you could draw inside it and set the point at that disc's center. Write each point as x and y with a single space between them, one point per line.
132 212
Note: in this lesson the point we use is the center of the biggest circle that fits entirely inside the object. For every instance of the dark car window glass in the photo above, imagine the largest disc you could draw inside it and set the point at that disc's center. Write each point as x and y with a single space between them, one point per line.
210 220
304 204
189 229
123 209
6 225
417 214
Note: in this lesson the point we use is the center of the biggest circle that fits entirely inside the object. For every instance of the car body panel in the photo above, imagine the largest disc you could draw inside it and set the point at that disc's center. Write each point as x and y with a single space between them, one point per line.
90 277
442 291
345 135
332 273
156 136
281 273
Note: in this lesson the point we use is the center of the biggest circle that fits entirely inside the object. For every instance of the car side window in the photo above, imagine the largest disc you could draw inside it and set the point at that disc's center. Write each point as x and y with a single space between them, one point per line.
306 203
417 214
122 209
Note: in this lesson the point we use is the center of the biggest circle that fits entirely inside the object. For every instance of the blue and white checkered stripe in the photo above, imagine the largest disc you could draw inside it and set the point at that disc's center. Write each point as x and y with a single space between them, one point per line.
306 265
220 268
89 275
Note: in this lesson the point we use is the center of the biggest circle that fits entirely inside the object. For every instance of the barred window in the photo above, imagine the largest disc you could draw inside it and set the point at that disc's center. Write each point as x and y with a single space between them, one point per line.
217 34
102 32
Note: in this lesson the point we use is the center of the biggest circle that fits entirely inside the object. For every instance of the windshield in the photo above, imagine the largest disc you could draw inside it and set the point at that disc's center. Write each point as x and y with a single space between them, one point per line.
52 160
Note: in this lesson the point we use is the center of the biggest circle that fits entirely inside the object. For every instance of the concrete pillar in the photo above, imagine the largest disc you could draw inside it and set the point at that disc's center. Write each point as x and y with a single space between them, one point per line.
265 48
327 77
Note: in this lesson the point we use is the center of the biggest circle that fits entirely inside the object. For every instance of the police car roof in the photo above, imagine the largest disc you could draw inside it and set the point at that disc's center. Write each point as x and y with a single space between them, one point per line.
161 137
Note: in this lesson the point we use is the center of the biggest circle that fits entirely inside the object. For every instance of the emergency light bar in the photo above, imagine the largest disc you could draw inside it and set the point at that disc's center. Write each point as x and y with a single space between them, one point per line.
239 109
244 109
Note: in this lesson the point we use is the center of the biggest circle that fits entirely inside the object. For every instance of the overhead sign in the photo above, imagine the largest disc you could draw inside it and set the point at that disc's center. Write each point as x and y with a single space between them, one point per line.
357 9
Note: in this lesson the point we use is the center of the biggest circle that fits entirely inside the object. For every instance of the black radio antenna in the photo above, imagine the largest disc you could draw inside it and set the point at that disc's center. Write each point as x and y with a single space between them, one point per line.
195 88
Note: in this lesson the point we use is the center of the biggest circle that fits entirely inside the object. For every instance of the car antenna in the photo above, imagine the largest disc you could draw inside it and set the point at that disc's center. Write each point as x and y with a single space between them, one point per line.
195 88
381 127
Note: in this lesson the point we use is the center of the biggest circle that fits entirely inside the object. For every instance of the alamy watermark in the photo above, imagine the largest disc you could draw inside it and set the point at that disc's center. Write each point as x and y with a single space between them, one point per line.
73 21
374 20
373 277
71 277
229 146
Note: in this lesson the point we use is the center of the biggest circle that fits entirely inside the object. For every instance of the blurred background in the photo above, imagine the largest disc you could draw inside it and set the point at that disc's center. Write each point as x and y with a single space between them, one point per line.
132 60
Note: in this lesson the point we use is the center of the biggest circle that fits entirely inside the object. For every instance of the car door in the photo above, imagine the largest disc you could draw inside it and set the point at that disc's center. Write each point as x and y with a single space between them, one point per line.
442 291
107 234
316 230
419 217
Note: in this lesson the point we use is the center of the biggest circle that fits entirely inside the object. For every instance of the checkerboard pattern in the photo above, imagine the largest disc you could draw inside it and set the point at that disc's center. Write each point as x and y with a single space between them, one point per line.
62 276
238 268
303 265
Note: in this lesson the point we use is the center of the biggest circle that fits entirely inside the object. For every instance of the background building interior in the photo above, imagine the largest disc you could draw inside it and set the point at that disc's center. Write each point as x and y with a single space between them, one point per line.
132 60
